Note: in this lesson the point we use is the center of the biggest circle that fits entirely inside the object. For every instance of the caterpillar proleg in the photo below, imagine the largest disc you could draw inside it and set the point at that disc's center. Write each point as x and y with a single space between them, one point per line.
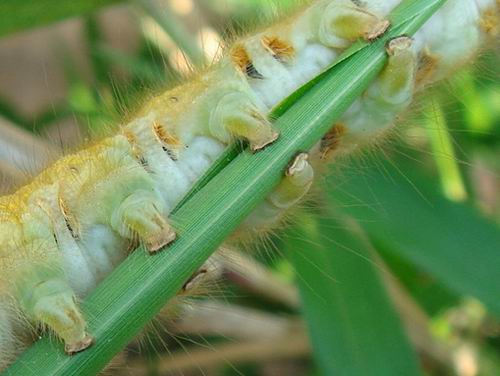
62 233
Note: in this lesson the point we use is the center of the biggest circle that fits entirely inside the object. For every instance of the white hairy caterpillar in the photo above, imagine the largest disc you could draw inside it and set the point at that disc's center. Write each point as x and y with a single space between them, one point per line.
91 204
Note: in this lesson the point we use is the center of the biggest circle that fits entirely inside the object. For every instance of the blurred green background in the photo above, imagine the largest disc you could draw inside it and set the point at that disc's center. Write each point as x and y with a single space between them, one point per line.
392 269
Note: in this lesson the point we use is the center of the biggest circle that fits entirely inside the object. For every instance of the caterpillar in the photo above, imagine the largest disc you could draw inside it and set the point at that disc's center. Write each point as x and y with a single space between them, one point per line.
67 229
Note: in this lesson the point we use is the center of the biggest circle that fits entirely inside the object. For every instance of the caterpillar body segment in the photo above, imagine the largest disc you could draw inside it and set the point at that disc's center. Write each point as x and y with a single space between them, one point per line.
235 115
341 22
448 41
74 223
373 114
453 37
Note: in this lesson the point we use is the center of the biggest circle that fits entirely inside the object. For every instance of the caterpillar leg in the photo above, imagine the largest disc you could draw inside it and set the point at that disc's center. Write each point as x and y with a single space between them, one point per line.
235 116
338 23
396 82
114 187
209 271
139 214
373 114
292 188
51 302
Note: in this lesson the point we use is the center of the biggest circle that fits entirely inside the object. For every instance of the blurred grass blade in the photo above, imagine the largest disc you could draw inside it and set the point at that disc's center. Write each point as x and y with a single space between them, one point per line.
18 15
354 328
480 113
165 18
135 292
444 154
449 240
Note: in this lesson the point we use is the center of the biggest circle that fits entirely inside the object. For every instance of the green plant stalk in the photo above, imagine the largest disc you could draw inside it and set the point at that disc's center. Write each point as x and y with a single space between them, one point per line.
134 293
18 15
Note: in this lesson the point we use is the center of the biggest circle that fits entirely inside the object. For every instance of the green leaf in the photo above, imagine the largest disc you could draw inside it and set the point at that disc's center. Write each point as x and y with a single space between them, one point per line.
134 293
354 328
451 241
18 15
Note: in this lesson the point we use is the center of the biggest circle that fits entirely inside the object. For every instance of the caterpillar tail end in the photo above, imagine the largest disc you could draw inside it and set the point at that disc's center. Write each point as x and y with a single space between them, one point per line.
79 346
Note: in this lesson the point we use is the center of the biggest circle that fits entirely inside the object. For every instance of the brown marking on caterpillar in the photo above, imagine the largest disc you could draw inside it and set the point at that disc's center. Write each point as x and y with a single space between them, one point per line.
241 59
331 141
131 138
165 138
278 48
67 218
74 170
490 22
136 151
428 63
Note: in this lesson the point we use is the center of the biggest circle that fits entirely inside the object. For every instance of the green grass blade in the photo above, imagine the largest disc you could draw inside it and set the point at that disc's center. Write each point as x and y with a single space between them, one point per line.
353 326
449 240
18 15
134 293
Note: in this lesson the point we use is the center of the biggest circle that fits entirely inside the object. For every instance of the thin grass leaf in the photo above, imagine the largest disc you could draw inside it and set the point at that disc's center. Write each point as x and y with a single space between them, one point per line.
18 15
354 328
134 293
404 214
